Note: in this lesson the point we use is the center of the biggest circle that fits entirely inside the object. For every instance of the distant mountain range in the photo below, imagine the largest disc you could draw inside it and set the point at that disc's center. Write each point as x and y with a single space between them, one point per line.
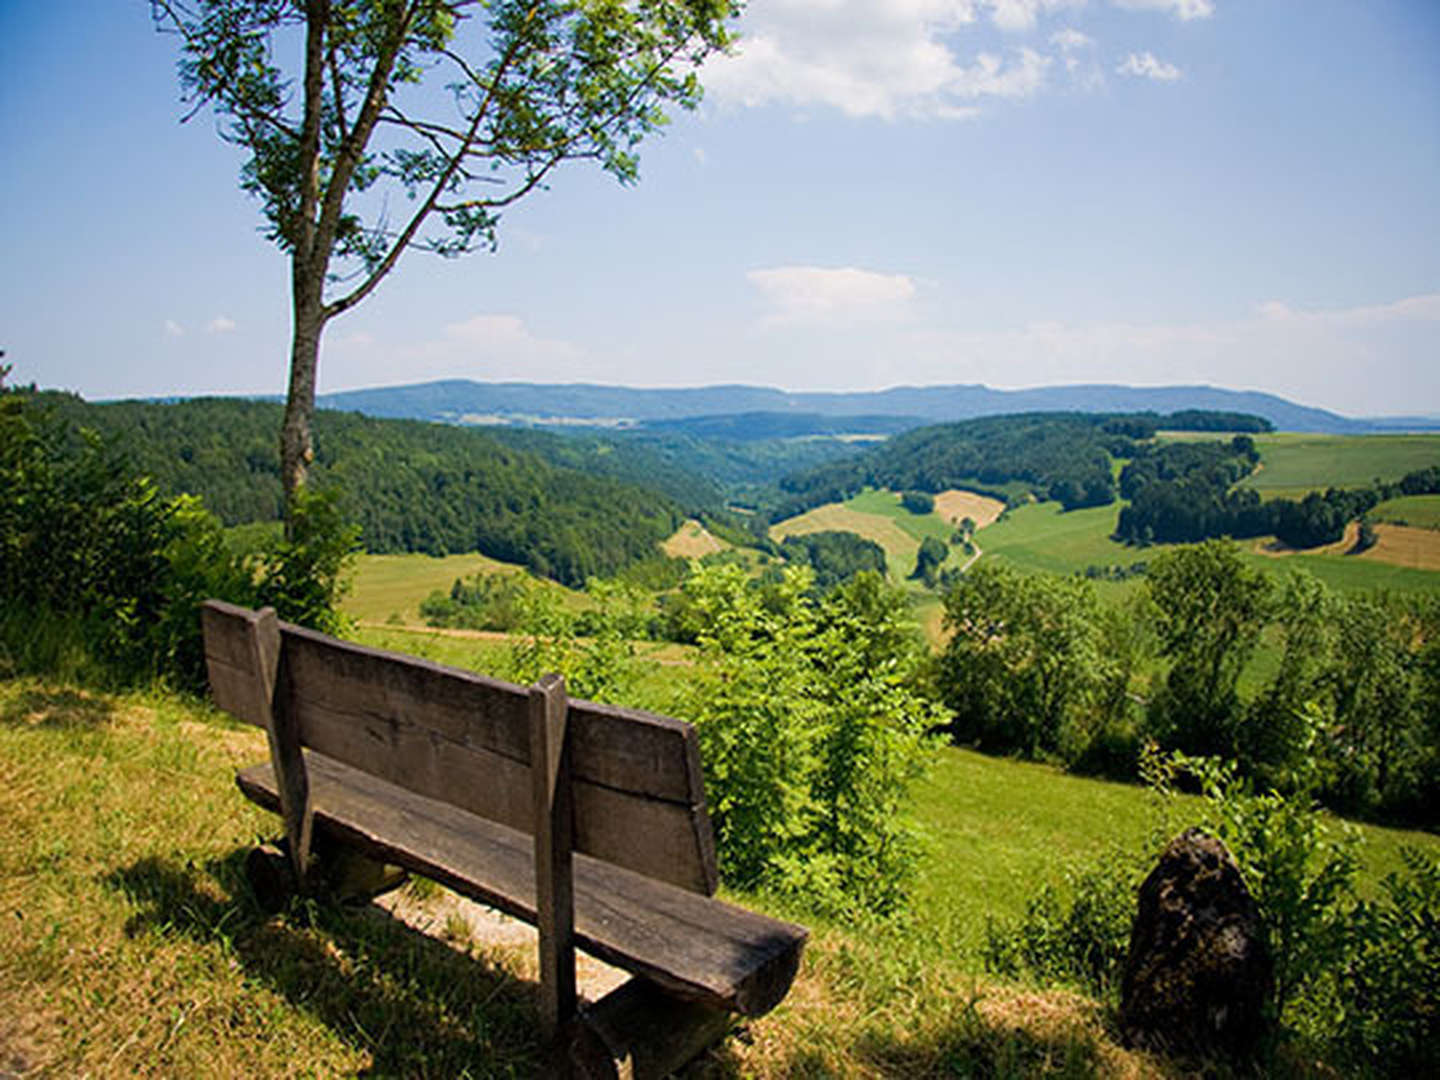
460 401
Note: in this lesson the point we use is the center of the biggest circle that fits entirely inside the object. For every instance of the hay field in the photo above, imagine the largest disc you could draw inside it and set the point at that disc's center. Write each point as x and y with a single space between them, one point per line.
900 547
1406 545
955 505
693 541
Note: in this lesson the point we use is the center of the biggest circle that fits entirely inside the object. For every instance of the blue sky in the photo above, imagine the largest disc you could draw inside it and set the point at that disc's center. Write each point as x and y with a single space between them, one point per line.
1244 193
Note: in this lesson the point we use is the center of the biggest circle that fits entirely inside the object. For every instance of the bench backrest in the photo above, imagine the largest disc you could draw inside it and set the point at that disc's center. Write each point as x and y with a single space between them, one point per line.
463 739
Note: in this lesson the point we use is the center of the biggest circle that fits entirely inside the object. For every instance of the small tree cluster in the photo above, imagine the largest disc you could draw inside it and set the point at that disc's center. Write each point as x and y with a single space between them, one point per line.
812 732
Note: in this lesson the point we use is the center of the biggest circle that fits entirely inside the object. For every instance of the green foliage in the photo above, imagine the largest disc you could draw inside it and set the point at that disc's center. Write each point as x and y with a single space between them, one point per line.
408 486
102 577
1060 456
1210 608
595 652
928 560
918 502
302 574
1388 982
833 557
1023 661
811 732
1078 935
485 601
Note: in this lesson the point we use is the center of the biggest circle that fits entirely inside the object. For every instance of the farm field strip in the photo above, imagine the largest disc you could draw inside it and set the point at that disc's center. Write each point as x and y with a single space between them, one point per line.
1419 511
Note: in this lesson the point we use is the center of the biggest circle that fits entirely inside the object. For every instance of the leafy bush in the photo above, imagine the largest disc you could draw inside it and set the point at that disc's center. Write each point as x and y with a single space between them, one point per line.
918 502
1079 935
101 578
812 732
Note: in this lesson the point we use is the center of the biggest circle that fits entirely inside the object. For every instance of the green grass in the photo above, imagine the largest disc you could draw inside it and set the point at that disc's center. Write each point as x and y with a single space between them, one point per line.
1420 511
1347 573
385 586
998 828
1042 536
1294 464
130 945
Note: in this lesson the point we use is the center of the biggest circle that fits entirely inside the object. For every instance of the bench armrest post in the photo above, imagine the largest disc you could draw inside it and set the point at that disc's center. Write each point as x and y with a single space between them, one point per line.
284 738
554 840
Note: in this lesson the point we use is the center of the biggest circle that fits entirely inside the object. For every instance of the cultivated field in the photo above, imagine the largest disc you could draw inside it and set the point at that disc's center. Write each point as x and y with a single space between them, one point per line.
1294 464
692 541
1421 511
1406 545
955 506
386 585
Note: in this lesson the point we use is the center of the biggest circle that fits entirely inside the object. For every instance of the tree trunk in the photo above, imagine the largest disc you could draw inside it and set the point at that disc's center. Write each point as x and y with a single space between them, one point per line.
296 445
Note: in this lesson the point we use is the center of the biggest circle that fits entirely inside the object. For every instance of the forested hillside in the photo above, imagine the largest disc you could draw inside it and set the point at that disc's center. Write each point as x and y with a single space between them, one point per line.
1060 456
408 485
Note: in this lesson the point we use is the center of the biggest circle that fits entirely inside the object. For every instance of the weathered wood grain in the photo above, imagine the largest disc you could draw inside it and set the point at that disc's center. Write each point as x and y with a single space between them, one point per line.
640 1032
554 808
692 946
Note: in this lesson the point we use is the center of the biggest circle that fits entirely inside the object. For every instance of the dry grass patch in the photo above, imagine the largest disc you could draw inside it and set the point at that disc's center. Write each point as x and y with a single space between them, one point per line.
955 505
693 541
1405 545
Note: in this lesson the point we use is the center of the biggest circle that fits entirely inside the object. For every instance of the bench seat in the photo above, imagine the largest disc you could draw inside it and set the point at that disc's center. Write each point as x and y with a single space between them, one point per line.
693 946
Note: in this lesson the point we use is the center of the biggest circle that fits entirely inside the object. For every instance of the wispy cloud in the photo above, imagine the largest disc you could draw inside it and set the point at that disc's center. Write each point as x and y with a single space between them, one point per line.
1181 9
1146 66
823 295
221 324
173 329
916 59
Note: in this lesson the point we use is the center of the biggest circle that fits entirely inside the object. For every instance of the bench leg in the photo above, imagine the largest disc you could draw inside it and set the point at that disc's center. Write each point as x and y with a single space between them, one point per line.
637 1030
344 874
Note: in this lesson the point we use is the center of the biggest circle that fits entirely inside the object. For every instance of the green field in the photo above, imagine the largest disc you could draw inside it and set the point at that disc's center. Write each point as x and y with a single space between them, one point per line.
1420 511
135 949
1293 464
385 586
878 516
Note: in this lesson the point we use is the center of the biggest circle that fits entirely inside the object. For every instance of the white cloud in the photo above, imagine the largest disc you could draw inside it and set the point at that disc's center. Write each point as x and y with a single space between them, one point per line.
173 329
814 294
873 58
221 324
1070 38
1024 14
1146 66
1182 9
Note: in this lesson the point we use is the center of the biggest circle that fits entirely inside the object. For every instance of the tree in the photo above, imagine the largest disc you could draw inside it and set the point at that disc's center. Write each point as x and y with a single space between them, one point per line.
1023 658
533 84
1211 608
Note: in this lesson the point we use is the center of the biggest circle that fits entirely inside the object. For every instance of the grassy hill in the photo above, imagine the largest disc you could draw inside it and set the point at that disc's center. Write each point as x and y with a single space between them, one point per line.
1291 465
130 946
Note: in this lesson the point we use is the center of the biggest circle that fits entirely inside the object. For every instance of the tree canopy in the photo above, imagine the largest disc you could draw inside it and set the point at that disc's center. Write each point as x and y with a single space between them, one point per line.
335 103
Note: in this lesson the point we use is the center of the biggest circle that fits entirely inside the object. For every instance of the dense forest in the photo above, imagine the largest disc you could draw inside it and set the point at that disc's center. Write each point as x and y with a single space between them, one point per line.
1061 456
408 485
1184 492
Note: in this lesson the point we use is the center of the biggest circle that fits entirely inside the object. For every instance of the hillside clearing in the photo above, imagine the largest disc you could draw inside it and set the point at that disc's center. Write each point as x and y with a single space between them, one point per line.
693 541
1421 511
1296 464
1405 545
956 505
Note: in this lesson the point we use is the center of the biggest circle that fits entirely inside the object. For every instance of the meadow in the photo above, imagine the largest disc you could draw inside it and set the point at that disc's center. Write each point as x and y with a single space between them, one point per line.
131 946
1293 464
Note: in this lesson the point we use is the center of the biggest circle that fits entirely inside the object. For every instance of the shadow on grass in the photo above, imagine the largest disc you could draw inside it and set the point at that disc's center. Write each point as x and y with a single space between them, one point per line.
60 709
416 1005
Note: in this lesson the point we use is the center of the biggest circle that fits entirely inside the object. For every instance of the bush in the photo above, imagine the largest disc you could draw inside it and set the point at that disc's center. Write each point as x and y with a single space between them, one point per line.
918 502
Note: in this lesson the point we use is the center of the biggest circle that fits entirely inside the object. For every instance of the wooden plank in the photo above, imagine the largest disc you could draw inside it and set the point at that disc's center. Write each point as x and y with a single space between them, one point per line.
639 1031
268 702
553 834
693 946
664 840
625 749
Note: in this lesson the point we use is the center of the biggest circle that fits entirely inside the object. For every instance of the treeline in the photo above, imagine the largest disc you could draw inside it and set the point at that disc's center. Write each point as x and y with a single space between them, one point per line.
1037 666
1065 457
409 486
1184 492
101 575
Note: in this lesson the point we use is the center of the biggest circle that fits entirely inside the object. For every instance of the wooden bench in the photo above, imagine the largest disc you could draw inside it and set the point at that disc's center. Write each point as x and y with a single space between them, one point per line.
587 820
